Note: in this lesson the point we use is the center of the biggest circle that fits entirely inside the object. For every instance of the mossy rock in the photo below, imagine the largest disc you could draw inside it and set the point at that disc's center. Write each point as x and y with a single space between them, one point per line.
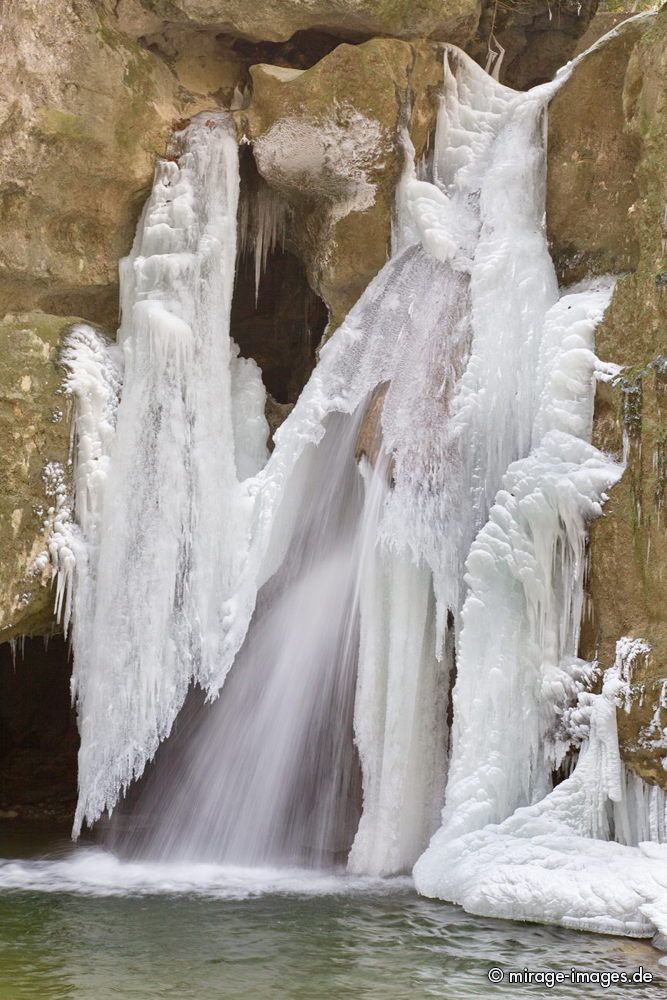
35 436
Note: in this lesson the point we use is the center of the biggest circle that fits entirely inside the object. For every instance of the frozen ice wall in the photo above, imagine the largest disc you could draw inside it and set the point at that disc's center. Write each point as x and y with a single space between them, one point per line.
508 845
149 599
553 861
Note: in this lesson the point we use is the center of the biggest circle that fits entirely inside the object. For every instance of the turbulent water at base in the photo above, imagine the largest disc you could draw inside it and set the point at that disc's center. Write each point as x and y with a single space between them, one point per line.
340 593
86 927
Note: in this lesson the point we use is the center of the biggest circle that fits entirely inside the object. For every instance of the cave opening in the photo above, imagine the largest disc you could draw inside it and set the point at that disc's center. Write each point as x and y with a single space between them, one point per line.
302 51
39 740
277 318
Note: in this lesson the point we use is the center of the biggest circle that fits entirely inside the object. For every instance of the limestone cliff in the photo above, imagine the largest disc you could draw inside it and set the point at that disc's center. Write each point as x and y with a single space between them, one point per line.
91 93
35 433
607 198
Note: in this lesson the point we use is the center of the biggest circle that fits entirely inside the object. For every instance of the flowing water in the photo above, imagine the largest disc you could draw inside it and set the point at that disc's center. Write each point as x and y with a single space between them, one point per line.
270 772
80 929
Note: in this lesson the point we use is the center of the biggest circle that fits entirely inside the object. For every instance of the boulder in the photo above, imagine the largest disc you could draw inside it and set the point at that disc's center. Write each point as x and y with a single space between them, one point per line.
329 142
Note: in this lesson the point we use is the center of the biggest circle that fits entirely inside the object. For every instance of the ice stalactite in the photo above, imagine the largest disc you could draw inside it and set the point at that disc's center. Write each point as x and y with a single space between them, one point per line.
263 217
400 713
94 378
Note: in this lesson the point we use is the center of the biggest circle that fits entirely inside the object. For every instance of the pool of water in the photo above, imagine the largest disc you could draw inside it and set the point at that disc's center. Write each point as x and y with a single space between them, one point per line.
80 924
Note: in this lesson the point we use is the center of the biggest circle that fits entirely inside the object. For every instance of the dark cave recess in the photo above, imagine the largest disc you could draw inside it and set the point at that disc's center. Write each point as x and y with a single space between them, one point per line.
38 735
279 323
282 329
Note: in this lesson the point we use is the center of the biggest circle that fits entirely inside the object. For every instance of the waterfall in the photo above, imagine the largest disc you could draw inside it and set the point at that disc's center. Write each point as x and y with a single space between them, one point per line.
391 599
269 773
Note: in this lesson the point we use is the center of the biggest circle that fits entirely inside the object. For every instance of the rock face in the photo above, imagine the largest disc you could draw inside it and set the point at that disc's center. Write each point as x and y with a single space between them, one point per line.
606 209
84 112
592 185
530 41
35 435
328 142
278 20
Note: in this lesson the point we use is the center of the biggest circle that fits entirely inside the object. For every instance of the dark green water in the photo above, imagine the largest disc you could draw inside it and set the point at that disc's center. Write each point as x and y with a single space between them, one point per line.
362 941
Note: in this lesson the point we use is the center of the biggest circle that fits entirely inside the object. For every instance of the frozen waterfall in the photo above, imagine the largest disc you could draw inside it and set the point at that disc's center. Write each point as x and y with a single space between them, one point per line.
149 602
388 605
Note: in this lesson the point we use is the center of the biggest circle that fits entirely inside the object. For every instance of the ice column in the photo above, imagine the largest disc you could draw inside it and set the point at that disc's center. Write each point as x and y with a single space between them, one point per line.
175 516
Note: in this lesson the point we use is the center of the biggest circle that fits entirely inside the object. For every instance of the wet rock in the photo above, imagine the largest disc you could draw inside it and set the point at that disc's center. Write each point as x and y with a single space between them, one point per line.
526 42
450 20
35 436
84 112
607 198
329 141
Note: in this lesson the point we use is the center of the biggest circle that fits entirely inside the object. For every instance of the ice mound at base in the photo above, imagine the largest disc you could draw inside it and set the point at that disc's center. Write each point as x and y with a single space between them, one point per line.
543 864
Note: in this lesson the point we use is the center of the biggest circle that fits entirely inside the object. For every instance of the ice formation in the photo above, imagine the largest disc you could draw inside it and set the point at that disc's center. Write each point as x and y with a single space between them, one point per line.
262 222
149 600
551 861
93 380
467 536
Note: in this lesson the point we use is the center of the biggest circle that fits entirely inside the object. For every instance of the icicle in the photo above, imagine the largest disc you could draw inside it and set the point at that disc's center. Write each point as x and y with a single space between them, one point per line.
263 217
94 375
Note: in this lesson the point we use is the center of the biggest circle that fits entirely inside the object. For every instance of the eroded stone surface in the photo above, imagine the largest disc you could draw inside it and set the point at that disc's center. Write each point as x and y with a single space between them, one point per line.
592 188
84 112
607 200
449 20
533 39
35 436
328 140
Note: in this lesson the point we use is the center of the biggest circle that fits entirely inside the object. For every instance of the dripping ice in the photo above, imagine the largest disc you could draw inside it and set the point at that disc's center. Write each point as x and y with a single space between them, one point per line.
477 548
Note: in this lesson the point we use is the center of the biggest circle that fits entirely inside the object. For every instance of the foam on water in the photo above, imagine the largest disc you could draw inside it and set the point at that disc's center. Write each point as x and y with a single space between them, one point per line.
94 872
